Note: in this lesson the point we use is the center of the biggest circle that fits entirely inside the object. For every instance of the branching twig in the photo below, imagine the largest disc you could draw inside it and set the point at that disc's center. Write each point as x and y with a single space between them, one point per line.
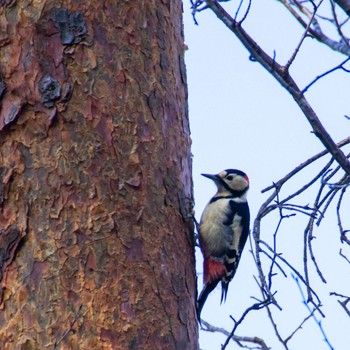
284 78
256 306
238 339
274 325
316 31
339 66
303 165
292 268
327 191
343 303
294 55
246 13
312 312
344 256
338 25
299 327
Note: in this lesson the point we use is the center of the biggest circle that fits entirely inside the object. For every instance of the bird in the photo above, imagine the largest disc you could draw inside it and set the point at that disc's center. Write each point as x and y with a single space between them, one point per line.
223 231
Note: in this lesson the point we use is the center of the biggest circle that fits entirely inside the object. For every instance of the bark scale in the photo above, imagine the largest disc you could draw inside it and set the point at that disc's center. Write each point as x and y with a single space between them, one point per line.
95 177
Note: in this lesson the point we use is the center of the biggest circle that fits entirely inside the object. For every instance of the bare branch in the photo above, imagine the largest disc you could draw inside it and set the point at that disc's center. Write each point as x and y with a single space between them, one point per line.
343 303
299 327
238 339
343 256
338 25
256 306
246 13
343 232
304 165
284 78
292 268
339 66
274 325
312 256
316 31
290 61
325 185
312 313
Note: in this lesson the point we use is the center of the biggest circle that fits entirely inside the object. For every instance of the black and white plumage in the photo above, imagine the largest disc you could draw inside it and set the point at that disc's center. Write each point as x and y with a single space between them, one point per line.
223 231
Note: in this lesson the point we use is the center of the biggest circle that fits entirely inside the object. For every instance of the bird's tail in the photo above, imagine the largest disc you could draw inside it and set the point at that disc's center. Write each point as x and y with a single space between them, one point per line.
207 289
224 290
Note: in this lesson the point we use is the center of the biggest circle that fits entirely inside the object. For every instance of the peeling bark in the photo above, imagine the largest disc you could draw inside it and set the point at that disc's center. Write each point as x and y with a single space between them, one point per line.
95 177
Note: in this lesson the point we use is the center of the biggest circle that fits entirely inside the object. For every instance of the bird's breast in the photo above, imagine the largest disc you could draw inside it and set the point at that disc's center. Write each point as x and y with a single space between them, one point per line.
216 234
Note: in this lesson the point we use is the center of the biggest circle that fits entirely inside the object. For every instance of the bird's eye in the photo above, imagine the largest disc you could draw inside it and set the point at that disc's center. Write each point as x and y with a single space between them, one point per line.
229 177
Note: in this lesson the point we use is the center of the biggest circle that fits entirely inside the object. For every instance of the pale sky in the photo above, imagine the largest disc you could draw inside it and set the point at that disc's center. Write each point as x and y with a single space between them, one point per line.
242 118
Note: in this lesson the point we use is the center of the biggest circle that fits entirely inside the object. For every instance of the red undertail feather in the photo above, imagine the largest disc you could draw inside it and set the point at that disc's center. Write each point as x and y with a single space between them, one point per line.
213 270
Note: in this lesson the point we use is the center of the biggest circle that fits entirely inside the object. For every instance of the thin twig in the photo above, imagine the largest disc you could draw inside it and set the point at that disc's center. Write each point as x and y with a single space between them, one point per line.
292 268
238 339
313 258
303 165
312 312
343 303
256 306
338 25
344 256
238 9
284 78
343 237
299 327
246 13
274 326
339 66
273 259
294 55
316 31
299 209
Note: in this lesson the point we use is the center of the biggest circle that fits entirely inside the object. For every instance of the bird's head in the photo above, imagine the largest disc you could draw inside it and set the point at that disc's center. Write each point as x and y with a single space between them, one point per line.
230 181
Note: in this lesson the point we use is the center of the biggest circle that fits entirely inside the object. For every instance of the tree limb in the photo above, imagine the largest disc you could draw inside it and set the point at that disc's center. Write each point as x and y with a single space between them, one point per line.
238 339
316 31
284 78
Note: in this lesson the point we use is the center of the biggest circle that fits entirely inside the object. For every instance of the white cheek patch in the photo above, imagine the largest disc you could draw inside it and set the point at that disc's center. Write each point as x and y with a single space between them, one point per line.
239 183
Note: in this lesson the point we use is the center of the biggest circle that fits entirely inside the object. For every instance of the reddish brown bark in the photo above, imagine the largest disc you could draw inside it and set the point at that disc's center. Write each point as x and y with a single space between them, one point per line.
95 177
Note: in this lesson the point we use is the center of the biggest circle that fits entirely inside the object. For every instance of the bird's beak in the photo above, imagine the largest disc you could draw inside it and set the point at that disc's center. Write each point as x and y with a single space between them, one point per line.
211 177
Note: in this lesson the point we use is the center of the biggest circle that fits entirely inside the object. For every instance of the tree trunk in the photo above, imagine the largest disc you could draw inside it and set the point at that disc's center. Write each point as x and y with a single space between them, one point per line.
96 248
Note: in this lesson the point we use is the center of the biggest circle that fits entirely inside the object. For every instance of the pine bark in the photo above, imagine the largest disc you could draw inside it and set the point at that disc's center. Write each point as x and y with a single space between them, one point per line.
96 248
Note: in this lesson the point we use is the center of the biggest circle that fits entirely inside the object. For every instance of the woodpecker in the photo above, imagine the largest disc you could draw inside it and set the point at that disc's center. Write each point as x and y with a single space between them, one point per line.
223 231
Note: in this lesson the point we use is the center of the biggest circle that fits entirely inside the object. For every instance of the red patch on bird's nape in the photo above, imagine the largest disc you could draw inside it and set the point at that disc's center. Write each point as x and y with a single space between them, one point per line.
247 178
213 270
